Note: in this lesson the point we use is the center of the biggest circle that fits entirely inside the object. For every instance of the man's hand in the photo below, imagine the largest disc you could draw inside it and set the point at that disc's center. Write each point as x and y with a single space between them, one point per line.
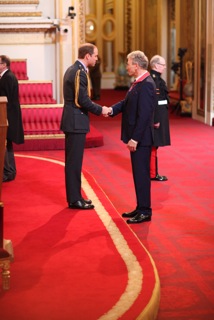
106 111
132 145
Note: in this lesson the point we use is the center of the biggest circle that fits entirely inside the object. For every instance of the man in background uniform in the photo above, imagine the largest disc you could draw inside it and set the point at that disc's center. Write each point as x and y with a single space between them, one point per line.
161 116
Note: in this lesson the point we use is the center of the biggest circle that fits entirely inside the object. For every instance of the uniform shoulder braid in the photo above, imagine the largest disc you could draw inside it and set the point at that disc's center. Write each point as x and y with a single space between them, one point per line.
77 84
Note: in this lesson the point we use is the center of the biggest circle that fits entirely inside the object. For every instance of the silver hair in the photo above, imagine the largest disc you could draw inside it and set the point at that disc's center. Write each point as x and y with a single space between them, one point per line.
139 57
155 59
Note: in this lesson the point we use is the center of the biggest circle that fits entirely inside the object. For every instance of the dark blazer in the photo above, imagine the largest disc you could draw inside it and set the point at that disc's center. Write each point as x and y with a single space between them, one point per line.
9 88
75 119
137 113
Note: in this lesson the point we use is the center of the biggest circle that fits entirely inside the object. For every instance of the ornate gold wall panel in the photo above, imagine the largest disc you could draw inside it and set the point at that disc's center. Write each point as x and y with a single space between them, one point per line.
16 2
29 37
187 28
20 14
81 15
150 17
27 30
128 26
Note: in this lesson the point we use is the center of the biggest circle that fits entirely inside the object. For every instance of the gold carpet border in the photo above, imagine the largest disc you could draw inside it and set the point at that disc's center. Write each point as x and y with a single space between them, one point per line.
151 310
135 272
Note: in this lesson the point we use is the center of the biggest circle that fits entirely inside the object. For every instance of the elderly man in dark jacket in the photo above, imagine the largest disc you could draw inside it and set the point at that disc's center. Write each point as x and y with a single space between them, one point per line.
161 115
137 132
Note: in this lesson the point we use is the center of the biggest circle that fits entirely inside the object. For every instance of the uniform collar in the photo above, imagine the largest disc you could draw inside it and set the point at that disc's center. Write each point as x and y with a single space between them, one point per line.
82 64
155 73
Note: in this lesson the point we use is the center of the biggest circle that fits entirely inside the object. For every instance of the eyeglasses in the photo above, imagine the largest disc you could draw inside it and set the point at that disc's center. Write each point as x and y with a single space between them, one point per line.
162 64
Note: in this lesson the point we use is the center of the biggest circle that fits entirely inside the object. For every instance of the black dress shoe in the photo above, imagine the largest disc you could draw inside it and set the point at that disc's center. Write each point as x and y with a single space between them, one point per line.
129 214
7 179
88 201
139 218
159 178
81 204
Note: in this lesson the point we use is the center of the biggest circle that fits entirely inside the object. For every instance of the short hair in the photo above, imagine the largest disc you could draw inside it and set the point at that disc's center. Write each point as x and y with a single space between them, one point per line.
5 59
85 49
139 57
155 59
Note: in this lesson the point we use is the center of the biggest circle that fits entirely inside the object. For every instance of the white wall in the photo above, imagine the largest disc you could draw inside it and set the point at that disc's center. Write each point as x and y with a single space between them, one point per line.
39 53
40 59
48 8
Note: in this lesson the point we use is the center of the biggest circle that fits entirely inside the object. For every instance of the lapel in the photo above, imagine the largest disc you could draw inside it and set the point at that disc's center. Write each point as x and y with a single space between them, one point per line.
144 76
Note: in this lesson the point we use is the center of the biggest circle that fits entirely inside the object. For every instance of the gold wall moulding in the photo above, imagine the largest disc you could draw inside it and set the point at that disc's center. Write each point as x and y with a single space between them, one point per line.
90 28
108 28
27 37
19 2
27 29
81 13
21 14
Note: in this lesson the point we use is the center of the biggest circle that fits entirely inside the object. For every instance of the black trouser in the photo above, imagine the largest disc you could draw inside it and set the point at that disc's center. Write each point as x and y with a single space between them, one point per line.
140 160
9 163
74 150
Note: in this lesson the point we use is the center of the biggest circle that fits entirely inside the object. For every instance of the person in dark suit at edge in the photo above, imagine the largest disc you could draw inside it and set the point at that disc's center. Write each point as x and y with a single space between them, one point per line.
161 115
96 75
75 122
15 134
137 132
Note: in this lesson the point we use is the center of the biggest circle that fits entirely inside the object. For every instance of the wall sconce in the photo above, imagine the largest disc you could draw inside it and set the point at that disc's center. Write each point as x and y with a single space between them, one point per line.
71 12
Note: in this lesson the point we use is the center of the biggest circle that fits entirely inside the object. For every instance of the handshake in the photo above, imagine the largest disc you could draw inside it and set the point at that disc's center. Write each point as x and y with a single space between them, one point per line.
106 111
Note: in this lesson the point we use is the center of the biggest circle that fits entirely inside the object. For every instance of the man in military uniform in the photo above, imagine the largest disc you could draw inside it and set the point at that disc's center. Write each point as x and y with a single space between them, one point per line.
161 116
75 122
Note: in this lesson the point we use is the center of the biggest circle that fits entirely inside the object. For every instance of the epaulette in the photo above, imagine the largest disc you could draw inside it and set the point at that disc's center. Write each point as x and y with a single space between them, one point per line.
81 67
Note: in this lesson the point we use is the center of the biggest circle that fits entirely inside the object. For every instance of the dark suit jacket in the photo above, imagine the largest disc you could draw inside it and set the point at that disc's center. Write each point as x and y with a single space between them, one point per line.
137 113
9 88
75 119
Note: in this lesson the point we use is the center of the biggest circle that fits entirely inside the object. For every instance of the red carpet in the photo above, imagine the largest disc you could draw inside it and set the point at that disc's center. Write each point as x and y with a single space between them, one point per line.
71 264
180 236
